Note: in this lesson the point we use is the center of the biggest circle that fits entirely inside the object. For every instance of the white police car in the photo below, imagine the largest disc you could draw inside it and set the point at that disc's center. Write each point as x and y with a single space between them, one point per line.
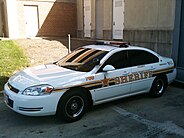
88 76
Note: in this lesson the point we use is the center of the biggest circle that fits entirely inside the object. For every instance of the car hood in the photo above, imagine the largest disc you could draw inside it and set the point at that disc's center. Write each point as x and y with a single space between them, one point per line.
44 74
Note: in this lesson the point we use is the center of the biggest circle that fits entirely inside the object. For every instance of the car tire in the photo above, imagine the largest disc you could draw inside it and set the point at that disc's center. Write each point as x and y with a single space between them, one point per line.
72 106
158 86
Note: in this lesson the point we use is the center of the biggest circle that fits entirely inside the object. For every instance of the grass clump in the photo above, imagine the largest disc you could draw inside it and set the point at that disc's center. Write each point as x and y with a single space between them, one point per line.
12 58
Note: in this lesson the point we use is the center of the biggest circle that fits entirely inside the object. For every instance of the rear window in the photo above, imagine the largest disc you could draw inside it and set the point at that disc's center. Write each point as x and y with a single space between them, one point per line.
140 57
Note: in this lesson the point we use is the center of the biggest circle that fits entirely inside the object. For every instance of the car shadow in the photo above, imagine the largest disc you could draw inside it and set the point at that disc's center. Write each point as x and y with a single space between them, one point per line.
17 119
177 84
122 101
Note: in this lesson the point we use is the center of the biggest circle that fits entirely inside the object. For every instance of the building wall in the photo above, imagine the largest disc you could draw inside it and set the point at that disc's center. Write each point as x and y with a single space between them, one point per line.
149 14
150 24
107 30
99 17
55 17
93 5
80 19
11 19
106 12
1 21
107 18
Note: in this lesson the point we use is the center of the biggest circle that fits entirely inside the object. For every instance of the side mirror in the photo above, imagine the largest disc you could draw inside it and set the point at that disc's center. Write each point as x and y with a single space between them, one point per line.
108 68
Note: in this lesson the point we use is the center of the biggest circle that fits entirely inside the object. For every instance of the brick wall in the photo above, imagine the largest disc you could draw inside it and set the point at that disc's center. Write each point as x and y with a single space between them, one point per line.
54 18
60 21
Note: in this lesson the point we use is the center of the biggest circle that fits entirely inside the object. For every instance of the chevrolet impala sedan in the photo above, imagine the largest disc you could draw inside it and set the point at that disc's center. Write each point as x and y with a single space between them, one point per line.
88 76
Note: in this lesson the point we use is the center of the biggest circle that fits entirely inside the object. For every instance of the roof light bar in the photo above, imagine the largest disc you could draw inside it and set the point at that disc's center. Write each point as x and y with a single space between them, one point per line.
119 44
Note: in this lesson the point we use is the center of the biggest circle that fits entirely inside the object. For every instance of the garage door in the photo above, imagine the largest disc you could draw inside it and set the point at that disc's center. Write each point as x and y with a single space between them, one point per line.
31 20
118 19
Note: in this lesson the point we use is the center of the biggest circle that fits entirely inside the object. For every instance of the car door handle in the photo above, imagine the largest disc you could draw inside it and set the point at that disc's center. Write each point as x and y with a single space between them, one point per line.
152 68
140 66
125 72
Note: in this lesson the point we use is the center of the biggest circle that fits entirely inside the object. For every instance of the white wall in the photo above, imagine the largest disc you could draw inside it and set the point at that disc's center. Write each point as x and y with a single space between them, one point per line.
12 19
149 14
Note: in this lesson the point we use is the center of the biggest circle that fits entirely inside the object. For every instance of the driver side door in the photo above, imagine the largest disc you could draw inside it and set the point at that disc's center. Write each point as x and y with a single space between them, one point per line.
114 82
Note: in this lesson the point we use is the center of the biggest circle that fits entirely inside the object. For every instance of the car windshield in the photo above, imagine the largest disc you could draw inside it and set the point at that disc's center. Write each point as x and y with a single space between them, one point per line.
82 59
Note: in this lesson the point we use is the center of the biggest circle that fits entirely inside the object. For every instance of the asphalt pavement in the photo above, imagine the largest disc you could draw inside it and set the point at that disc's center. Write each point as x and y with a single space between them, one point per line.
138 116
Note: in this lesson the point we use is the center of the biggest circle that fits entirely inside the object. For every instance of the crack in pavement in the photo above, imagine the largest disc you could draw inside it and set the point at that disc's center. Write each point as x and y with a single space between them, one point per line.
166 127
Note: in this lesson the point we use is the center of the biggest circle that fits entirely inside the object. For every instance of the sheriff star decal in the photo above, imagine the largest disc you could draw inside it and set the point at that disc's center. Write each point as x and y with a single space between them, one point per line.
105 82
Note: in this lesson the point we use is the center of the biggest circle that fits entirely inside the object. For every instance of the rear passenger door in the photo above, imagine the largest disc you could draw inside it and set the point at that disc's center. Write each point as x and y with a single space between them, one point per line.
142 63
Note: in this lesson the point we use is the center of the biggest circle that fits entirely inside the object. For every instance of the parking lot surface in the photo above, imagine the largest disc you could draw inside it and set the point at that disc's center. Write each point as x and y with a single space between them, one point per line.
138 116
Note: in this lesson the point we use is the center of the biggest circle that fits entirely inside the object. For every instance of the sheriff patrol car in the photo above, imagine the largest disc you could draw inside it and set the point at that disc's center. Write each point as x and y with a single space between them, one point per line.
88 76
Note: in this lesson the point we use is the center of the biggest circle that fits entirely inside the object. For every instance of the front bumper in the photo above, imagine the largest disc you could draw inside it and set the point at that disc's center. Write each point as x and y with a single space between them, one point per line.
32 105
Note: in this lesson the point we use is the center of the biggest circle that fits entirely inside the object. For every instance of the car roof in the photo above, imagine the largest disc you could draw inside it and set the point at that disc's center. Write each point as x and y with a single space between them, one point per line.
113 47
117 48
101 47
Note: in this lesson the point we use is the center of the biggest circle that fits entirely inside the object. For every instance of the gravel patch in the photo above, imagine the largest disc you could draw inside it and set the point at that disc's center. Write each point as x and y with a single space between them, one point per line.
42 51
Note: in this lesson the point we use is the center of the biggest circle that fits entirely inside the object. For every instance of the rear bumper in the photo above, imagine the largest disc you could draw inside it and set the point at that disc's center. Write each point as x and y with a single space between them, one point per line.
171 76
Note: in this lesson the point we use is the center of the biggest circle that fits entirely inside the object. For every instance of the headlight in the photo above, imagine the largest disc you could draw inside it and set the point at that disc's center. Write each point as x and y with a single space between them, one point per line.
38 90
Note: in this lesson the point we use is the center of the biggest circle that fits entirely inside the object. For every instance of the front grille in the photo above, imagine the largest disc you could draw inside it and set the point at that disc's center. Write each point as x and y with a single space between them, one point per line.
10 87
30 109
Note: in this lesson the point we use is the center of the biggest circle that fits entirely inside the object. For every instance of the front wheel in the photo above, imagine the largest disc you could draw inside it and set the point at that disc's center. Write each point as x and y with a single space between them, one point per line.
158 87
72 106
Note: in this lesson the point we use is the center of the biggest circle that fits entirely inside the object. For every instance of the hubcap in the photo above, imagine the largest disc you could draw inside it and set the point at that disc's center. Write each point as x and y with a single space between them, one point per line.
74 106
159 86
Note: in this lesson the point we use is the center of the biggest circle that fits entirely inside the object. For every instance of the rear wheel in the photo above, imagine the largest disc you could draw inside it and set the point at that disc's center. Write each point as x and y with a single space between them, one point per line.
158 86
72 105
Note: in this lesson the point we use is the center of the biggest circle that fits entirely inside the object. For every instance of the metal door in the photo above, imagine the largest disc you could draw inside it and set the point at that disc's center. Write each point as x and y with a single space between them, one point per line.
87 18
31 20
118 19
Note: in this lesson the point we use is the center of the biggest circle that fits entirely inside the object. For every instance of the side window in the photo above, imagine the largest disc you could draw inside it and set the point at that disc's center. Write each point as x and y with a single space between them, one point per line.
140 57
117 60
